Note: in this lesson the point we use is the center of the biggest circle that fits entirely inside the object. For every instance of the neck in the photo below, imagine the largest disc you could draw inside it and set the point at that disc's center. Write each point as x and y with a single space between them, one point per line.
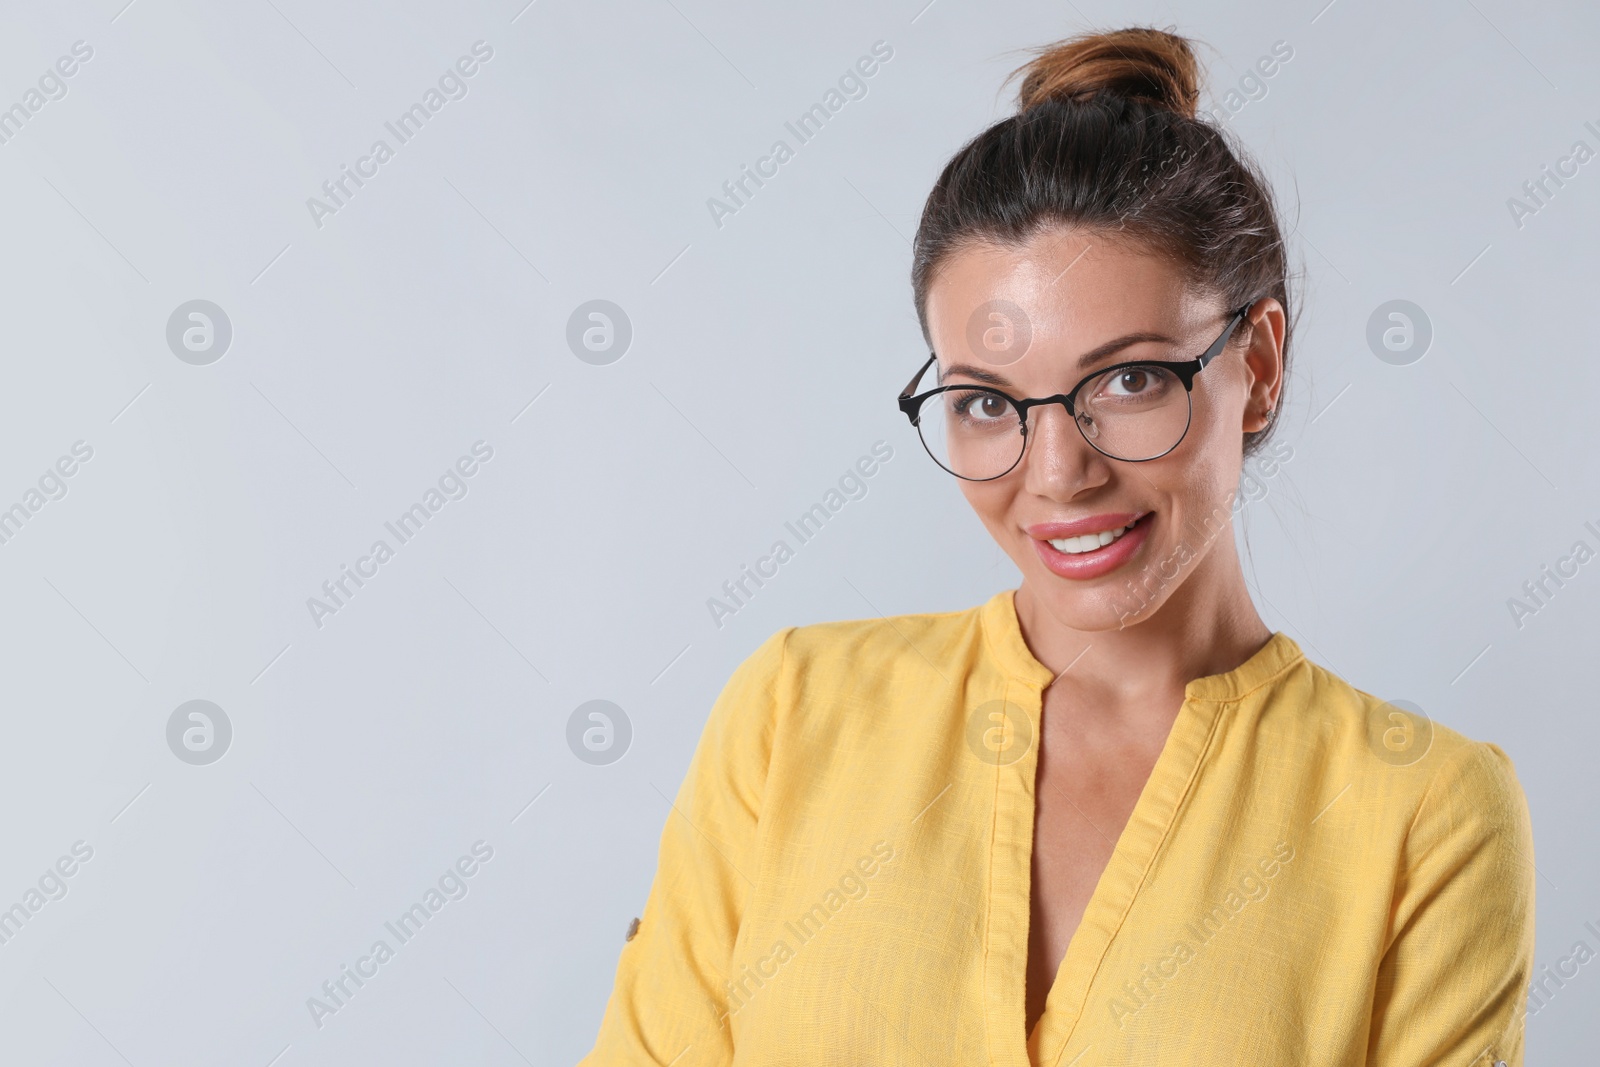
1207 625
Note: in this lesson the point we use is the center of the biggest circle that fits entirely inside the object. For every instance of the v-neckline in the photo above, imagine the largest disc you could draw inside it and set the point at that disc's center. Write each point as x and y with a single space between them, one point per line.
1011 858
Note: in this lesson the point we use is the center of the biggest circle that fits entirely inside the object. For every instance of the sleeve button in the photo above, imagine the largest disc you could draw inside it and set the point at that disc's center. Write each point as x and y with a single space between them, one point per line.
633 928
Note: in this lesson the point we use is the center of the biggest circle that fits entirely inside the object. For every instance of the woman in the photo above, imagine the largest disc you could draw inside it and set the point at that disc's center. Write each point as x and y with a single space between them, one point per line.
1110 818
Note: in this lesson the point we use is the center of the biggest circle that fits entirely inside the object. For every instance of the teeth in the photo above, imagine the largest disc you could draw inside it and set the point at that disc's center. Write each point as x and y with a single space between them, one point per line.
1073 546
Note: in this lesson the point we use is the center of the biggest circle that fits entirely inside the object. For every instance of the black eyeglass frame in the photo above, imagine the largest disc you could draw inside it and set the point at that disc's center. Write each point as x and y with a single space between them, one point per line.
1184 371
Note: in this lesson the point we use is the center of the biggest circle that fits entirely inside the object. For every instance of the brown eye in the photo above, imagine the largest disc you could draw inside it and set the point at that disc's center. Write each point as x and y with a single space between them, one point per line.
1143 383
980 407
1131 381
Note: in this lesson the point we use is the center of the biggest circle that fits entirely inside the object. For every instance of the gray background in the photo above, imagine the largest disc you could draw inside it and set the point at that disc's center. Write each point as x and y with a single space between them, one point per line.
368 354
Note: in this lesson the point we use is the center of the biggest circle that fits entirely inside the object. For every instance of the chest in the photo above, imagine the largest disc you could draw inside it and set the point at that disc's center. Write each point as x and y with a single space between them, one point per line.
1089 780
1080 810
1090 773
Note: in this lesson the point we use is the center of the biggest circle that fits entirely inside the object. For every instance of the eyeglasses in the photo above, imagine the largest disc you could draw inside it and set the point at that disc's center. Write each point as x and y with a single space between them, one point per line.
1135 412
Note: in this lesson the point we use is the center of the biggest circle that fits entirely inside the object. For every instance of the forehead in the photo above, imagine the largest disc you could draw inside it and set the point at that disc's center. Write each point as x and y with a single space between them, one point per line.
1069 290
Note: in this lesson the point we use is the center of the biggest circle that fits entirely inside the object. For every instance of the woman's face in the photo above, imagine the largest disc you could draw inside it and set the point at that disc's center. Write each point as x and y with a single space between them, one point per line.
1032 320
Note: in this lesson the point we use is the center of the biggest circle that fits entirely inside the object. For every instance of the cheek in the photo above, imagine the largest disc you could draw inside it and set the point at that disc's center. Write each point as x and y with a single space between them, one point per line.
982 497
1200 479
1220 403
1214 446
991 501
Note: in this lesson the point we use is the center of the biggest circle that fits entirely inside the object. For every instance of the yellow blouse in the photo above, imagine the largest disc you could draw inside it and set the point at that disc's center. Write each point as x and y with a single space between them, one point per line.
1310 876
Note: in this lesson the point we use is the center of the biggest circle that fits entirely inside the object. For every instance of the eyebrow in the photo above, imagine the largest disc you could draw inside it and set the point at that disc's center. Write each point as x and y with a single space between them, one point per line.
1085 361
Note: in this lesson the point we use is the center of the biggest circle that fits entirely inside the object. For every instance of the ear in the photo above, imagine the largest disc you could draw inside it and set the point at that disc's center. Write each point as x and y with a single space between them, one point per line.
1263 361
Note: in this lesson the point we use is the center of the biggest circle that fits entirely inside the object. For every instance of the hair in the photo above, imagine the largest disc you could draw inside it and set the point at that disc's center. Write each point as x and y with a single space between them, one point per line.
1108 138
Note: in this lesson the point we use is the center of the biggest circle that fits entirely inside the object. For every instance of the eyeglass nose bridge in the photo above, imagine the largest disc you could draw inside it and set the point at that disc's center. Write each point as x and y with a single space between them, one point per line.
1068 401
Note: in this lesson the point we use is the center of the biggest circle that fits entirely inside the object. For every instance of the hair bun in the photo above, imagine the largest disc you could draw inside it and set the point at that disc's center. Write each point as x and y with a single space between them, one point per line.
1149 65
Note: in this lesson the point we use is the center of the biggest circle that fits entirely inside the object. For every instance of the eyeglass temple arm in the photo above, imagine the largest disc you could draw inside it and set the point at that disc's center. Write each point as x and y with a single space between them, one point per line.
905 394
1222 342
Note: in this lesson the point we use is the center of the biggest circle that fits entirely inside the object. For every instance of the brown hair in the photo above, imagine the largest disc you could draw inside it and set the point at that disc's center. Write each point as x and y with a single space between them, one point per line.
1108 137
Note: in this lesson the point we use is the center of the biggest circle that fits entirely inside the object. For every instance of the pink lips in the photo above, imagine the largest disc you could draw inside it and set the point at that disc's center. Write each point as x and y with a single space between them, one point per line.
1086 565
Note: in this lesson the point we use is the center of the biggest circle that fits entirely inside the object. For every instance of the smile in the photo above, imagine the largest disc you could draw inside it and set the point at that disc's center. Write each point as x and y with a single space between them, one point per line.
1089 542
1091 547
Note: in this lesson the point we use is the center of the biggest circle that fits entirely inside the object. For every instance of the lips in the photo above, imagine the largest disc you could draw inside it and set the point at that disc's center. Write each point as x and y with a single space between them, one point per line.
1088 542
1092 547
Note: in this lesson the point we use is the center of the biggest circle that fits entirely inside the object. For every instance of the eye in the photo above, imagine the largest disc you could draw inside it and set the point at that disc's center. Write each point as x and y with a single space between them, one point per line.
1146 382
1130 382
981 407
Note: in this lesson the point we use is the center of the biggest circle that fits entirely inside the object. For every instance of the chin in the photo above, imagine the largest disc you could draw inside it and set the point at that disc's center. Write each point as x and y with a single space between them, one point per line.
1104 608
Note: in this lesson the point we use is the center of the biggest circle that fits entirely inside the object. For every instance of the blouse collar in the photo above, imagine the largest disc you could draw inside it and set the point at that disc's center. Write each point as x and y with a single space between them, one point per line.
1003 634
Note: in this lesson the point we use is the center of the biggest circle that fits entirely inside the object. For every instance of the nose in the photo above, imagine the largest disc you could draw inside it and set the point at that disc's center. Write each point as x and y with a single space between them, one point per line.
1058 463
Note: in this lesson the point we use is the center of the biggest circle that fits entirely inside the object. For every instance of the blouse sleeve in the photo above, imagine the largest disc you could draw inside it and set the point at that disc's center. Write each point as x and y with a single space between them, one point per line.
668 1003
1452 984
